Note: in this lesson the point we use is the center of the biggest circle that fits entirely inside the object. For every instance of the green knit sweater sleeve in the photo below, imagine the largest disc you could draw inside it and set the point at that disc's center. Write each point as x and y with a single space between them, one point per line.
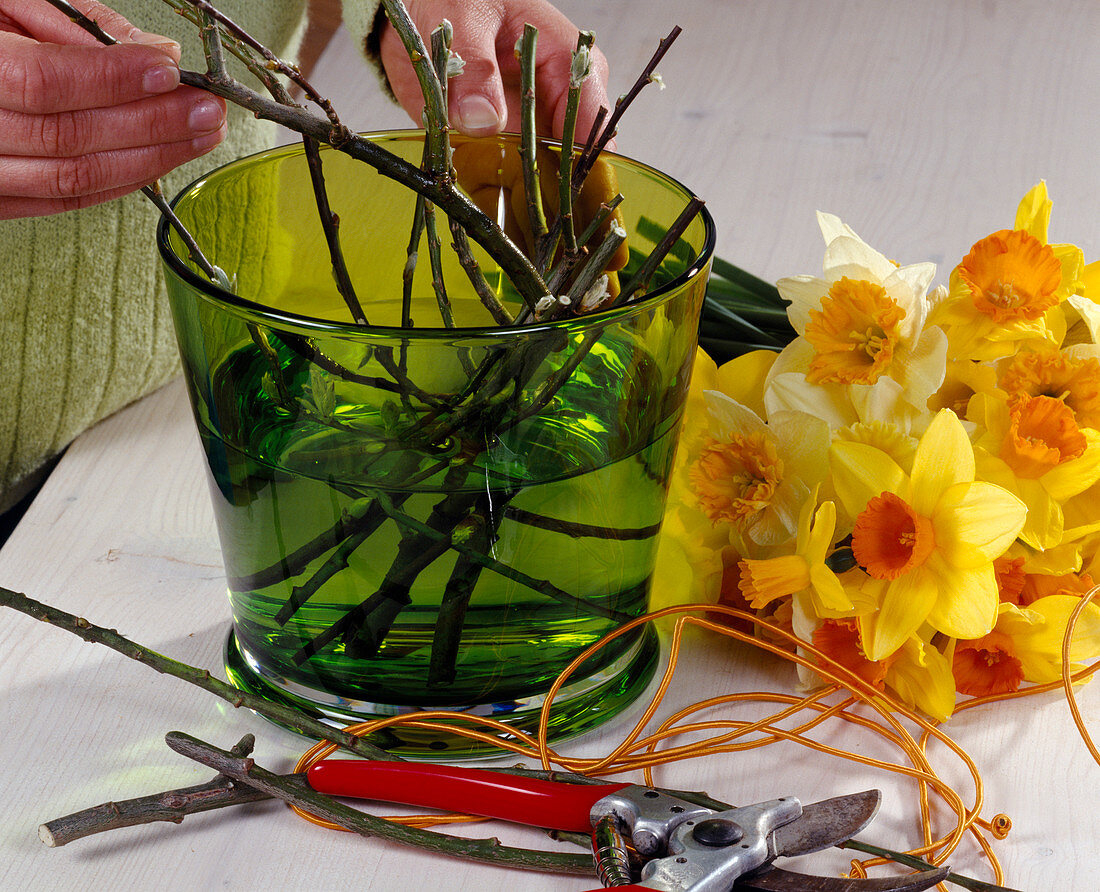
84 322
364 20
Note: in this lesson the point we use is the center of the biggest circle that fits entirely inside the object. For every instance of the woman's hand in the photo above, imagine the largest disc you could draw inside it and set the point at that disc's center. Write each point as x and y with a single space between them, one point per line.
82 123
485 98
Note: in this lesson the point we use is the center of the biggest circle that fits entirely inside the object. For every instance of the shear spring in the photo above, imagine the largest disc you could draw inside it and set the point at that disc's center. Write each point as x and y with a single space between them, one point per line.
609 850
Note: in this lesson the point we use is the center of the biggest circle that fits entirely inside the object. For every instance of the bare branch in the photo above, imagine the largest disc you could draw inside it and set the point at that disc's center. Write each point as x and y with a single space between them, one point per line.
294 789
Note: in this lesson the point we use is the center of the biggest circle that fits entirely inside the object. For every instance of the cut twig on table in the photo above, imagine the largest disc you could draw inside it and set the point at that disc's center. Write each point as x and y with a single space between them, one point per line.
293 788
220 792
171 806
287 716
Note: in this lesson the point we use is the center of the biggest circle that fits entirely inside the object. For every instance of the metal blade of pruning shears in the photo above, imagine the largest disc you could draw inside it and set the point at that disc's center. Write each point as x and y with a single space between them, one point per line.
823 825
828 822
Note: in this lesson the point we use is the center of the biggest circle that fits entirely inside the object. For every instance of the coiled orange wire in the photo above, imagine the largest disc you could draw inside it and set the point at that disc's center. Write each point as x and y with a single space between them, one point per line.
638 752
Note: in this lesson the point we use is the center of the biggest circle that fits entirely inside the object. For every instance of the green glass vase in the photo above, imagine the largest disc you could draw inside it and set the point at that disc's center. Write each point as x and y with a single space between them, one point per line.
427 517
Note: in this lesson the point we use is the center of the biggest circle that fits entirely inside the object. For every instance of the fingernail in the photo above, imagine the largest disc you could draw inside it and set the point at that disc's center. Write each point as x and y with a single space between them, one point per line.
203 144
166 43
161 79
477 116
206 115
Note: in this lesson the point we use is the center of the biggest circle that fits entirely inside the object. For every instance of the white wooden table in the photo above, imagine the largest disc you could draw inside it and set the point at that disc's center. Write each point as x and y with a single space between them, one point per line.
920 124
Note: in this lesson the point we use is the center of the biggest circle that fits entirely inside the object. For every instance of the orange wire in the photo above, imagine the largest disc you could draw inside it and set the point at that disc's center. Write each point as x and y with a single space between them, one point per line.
637 752
1067 681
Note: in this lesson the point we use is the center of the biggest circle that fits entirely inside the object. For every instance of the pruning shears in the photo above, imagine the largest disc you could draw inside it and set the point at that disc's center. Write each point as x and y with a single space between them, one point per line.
681 846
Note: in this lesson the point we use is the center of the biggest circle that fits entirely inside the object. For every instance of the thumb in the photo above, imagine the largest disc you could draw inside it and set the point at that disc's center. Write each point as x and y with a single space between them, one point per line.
477 105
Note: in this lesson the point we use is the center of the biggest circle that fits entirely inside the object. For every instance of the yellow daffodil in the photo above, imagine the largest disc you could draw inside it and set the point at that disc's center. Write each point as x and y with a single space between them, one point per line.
950 439
918 674
689 562
963 379
932 535
1034 448
1082 309
1007 291
863 350
802 573
1026 645
921 676
1072 376
689 559
752 476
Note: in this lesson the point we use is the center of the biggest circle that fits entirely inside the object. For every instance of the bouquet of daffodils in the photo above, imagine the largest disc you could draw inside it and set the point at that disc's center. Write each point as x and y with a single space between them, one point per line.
913 483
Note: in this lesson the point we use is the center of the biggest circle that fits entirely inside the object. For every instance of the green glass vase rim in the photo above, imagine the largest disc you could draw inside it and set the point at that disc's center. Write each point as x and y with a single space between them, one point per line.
285 319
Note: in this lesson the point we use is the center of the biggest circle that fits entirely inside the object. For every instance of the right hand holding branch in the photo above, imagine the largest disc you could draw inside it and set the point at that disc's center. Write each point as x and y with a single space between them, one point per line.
82 123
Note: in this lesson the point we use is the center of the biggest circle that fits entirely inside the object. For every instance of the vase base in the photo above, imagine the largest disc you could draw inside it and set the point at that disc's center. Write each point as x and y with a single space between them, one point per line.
580 706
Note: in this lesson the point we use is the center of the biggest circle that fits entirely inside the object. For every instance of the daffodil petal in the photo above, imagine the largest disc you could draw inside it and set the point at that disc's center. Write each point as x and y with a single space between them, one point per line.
854 258
976 522
805 623
1039 643
1076 475
819 536
918 276
795 357
704 372
921 369
1058 561
803 294
792 392
1057 610
673 575
743 377
829 597
1080 517
1087 309
778 524
944 457
861 472
905 607
1090 280
906 286
921 676
832 227
729 417
882 401
1072 260
804 444
1045 523
865 592
966 606
1033 213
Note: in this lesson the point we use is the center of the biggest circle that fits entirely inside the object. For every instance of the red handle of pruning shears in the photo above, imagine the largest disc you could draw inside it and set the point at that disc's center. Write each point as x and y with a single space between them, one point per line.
521 800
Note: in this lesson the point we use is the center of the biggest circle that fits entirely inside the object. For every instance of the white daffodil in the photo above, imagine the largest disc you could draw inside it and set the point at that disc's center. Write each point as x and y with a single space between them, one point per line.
756 476
863 351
